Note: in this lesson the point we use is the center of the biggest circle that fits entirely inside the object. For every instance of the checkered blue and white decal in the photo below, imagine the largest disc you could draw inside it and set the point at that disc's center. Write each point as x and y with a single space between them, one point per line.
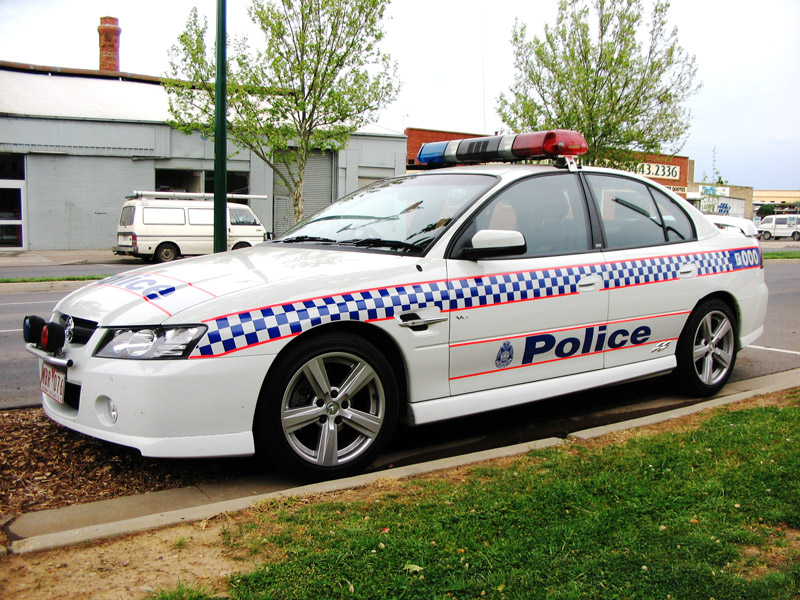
233 332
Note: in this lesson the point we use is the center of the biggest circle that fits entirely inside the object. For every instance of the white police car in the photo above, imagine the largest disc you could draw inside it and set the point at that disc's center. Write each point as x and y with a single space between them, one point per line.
426 297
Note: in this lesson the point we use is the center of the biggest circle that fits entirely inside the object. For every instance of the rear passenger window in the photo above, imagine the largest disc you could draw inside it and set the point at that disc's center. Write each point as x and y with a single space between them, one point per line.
676 222
201 216
152 215
629 214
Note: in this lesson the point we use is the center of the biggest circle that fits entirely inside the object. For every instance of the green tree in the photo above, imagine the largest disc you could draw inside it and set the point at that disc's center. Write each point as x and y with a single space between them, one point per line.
597 72
319 76
765 210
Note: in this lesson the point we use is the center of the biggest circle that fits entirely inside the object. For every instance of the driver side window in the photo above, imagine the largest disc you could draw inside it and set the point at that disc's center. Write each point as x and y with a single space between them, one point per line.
549 210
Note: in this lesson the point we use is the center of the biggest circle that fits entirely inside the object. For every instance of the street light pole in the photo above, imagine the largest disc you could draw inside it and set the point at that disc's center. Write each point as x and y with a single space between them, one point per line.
220 138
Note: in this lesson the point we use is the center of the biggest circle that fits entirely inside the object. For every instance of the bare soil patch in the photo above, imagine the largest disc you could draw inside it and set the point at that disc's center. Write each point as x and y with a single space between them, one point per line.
44 465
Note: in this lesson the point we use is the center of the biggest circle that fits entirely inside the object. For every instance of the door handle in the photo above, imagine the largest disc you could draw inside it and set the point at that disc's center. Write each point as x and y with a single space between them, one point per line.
687 270
411 324
591 283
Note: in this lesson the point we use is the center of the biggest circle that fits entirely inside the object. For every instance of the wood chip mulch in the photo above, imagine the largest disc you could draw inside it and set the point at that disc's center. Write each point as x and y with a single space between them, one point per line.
44 465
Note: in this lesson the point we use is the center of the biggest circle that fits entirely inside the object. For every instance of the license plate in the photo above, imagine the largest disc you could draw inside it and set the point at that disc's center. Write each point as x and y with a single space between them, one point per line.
124 239
53 382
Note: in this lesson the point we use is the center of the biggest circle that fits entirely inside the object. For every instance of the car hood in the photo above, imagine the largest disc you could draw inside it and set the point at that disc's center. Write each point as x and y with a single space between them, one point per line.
197 289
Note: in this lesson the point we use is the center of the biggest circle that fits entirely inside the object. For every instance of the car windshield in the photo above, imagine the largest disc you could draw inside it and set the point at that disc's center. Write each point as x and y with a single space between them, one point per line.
403 215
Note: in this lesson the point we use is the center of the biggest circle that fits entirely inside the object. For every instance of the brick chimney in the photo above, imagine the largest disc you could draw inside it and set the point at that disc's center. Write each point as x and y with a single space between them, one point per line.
109 43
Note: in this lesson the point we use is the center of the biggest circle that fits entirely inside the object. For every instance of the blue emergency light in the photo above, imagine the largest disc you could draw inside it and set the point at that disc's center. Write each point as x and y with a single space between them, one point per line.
521 146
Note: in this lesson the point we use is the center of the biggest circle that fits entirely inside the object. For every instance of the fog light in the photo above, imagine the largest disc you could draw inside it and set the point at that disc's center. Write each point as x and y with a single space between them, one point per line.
106 411
112 411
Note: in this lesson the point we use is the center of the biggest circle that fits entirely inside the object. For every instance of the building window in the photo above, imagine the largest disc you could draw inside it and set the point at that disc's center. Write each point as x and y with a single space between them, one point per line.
10 217
12 166
238 182
179 180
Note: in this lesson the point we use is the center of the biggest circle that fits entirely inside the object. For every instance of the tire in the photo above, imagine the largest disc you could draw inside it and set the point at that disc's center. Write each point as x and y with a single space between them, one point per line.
766 236
796 236
240 245
309 425
707 349
166 252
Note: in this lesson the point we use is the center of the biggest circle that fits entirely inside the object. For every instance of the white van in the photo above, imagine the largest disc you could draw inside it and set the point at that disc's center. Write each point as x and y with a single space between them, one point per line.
778 226
163 226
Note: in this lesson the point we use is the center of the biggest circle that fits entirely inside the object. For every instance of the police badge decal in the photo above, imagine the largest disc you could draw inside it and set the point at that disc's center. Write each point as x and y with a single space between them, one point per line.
504 356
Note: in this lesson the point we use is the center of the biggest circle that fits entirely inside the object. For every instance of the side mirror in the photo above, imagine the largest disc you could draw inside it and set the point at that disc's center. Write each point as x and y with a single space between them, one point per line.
489 243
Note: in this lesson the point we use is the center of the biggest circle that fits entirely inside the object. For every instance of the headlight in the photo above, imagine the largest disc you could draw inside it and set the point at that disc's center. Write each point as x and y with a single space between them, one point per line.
150 342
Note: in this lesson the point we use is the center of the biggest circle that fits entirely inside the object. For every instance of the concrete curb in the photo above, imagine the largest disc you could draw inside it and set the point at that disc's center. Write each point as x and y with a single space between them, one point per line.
748 388
43 286
785 380
85 534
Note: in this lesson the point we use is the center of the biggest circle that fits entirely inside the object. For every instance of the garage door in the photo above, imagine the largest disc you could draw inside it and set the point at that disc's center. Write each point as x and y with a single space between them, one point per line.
317 190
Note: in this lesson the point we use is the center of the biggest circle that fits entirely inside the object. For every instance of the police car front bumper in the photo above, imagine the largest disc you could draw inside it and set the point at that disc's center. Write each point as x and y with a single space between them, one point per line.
169 408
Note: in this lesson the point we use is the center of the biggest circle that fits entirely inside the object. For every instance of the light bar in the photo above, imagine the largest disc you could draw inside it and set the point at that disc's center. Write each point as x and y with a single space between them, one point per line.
521 146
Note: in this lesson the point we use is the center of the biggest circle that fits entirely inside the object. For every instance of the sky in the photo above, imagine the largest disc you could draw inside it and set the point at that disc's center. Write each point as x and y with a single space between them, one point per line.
455 58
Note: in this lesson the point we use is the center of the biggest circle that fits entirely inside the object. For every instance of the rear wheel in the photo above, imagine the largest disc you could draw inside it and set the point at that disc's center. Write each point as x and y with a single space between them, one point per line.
707 349
240 245
328 408
166 252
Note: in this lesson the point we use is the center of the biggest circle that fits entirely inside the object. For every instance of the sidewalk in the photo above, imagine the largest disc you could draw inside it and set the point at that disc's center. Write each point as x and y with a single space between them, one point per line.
44 258
48 529
56 258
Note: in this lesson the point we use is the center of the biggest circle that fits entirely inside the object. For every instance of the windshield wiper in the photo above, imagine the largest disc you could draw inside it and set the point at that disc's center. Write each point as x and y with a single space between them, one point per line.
381 243
306 238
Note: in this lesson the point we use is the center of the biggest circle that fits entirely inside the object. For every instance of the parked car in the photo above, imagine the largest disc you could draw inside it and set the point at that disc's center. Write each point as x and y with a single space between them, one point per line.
745 226
778 226
421 298
163 226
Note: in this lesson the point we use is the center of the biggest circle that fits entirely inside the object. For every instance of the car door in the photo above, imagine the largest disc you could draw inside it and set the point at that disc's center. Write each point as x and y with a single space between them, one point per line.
243 227
653 268
521 318
200 238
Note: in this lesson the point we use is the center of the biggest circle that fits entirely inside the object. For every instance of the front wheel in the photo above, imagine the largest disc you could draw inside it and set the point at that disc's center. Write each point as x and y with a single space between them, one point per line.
328 408
766 236
796 236
707 349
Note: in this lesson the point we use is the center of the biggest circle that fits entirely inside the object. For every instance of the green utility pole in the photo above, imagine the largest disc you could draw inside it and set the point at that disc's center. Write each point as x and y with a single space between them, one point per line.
220 139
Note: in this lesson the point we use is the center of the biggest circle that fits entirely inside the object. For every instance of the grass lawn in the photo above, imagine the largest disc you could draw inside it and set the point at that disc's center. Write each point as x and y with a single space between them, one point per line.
39 279
780 255
708 510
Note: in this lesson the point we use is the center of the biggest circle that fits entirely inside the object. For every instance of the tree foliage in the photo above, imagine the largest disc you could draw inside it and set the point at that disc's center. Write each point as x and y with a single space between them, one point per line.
765 210
597 72
318 77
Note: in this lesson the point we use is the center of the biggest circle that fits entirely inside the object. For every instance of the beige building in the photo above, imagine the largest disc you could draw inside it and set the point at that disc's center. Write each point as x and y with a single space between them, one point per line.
734 200
776 197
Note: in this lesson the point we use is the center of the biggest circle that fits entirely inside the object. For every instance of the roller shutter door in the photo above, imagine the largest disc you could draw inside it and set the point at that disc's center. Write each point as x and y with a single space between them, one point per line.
317 190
